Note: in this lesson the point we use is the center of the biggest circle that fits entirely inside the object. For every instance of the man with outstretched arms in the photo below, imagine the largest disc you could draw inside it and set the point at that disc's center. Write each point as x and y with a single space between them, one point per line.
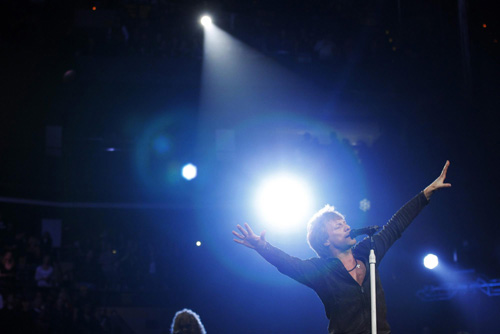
340 274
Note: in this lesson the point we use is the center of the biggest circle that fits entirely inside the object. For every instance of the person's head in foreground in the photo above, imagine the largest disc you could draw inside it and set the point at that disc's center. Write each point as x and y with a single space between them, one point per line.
187 322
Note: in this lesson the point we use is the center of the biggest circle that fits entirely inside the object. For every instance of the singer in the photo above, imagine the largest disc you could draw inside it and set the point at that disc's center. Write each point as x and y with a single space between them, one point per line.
340 273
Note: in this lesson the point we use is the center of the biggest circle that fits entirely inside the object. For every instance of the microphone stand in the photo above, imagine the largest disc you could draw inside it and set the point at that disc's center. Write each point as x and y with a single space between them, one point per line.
370 231
373 293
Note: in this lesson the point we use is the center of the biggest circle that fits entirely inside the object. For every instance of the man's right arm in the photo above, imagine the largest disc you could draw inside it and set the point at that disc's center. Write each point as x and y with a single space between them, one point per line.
303 271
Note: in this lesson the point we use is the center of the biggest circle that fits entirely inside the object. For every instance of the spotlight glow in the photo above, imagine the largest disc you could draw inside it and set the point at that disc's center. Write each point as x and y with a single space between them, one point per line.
284 202
206 21
189 172
198 243
431 261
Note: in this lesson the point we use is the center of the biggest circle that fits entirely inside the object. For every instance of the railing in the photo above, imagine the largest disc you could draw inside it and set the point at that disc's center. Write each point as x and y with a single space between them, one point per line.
447 291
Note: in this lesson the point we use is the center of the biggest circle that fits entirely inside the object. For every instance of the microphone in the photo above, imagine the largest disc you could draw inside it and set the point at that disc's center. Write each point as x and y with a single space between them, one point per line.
369 230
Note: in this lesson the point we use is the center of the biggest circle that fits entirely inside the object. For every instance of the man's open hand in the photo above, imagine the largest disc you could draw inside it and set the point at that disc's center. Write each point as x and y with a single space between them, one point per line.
248 238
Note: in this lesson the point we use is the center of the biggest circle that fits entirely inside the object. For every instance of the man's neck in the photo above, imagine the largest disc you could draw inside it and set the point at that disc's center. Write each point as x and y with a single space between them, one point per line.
343 255
347 258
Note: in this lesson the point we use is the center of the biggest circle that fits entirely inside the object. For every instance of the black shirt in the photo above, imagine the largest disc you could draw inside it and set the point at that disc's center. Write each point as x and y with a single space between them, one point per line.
347 304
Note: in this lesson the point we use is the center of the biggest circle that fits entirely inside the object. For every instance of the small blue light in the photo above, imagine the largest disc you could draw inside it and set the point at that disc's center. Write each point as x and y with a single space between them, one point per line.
110 149
189 172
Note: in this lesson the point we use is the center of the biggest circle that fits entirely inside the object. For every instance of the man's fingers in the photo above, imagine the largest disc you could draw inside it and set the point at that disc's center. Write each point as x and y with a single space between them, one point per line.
241 242
244 243
442 177
445 168
238 235
242 230
249 229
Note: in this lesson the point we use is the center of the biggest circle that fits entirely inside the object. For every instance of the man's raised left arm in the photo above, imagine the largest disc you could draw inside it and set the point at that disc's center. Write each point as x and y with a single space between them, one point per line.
393 229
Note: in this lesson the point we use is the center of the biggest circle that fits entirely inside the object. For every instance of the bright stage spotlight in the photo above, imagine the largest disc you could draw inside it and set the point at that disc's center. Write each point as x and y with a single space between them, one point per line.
206 21
284 202
431 261
189 172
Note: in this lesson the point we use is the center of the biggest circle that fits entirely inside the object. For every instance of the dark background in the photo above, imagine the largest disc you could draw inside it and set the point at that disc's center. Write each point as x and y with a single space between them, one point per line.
431 90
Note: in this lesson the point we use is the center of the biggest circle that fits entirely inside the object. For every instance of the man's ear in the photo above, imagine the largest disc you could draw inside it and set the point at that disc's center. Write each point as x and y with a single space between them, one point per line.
327 243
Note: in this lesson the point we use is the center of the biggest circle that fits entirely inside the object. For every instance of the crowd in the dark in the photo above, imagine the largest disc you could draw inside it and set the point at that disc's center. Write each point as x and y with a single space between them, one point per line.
46 289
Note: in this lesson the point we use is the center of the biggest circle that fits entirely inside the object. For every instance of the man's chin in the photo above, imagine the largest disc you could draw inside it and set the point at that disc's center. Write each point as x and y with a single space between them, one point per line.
350 244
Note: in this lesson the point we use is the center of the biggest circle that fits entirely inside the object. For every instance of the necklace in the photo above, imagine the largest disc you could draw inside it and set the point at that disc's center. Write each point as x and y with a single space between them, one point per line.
356 266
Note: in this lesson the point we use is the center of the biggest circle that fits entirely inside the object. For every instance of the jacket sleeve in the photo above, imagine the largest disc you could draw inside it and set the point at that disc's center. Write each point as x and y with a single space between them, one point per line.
394 228
303 271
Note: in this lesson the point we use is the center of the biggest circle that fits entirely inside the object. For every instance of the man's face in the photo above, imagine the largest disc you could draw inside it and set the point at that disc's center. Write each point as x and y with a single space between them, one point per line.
338 235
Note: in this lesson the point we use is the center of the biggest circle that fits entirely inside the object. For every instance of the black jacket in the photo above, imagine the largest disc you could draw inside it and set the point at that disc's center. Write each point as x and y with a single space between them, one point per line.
347 304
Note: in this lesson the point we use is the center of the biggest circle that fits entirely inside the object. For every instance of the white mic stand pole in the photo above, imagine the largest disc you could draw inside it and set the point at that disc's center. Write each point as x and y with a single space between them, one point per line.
373 292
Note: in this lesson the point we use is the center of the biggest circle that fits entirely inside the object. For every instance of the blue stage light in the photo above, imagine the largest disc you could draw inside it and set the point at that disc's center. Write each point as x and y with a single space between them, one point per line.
189 172
431 261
